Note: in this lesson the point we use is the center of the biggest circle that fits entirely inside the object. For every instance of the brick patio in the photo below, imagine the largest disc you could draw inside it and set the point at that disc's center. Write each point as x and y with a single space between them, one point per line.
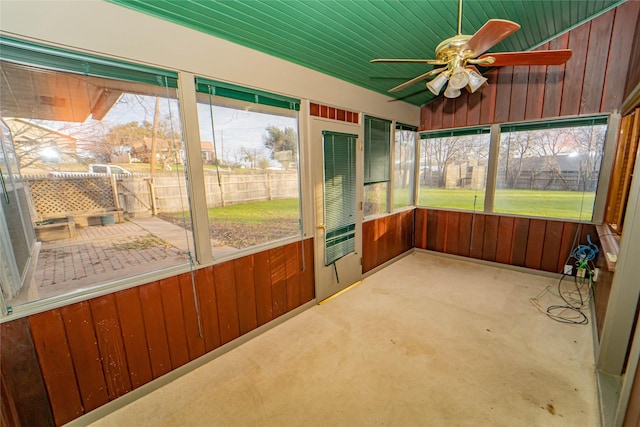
100 254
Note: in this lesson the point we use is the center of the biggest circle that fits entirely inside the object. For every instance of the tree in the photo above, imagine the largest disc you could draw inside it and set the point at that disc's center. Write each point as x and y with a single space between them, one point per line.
405 149
255 156
278 139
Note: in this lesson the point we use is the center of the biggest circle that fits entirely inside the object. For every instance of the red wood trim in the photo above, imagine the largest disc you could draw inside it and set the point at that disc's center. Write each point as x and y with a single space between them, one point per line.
448 112
246 290
292 269
453 233
551 247
208 308
490 243
54 356
278 281
24 397
308 290
505 239
477 235
152 313
461 111
134 336
568 234
473 105
226 301
262 281
503 94
174 321
626 17
535 241
381 242
488 102
574 71
195 342
367 245
83 344
437 108
596 62
464 234
554 81
432 229
332 113
440 230
519 243
519 86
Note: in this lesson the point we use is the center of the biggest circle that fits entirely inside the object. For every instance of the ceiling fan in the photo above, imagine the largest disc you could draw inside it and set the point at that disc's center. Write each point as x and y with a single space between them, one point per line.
460 53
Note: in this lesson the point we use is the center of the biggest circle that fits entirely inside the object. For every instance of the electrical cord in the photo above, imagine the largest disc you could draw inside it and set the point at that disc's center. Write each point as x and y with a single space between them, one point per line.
575 302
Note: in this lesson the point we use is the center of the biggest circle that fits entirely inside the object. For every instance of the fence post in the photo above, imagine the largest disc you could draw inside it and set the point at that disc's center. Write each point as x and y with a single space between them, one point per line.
152 197
269 185
221 191
114 187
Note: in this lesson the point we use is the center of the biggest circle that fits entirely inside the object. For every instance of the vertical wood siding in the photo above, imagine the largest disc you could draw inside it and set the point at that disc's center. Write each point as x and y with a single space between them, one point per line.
592 81
539 244
385 238
23 398
92 352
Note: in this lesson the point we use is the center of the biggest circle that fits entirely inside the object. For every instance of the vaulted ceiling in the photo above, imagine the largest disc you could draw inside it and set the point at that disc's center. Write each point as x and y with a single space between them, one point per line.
340 37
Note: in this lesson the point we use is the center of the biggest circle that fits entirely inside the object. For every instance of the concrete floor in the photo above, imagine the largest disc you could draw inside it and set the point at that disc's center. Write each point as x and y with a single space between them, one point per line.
428 341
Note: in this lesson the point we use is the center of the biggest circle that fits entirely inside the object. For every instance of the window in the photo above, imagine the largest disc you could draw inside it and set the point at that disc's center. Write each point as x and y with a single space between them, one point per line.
550 169
543 168
75 124
377 139
249 143
404 166
453 168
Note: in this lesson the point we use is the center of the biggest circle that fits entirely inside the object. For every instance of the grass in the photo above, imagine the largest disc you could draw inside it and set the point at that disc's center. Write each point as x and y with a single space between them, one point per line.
256 212
555 204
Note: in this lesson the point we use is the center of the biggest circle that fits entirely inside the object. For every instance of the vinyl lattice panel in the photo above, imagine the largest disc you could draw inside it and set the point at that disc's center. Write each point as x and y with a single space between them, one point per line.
53 197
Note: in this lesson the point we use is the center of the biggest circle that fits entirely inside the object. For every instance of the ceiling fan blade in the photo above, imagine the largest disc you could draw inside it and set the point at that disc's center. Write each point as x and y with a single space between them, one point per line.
420 61
491 33
538 57
417 79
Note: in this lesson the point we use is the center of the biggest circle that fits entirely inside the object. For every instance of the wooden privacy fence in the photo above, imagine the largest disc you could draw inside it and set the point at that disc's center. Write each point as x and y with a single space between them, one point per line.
141 195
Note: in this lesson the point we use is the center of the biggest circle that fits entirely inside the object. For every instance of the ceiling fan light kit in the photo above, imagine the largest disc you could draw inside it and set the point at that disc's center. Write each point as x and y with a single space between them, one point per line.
476 80
451 92
436 85
460 52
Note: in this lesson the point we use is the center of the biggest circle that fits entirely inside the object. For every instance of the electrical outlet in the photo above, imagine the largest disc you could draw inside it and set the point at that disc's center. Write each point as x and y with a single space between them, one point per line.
568 269
596 274
581 272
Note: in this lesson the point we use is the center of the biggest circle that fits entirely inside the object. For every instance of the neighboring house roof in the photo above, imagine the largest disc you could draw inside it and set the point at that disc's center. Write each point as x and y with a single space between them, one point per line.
26 130
206 146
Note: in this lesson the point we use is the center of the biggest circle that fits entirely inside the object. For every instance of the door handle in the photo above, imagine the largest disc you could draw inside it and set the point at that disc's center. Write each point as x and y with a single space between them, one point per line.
321 227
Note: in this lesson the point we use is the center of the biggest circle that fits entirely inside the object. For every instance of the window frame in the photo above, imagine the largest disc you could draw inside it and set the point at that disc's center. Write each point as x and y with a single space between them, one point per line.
184 84
495 130
389 180
401 127
236 95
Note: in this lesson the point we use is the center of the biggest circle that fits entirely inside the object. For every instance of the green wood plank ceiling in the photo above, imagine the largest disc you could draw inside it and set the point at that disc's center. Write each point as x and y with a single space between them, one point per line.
339 37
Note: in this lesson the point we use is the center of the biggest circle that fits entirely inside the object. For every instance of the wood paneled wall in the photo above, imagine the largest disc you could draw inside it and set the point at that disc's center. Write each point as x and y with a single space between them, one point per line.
592 81
385 238
94 351
540 244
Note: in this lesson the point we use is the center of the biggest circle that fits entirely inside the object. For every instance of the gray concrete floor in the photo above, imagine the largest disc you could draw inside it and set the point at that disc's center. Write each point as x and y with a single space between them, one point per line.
428 341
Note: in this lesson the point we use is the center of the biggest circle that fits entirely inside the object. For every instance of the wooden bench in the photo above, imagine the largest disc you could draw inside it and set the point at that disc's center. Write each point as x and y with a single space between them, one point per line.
55 229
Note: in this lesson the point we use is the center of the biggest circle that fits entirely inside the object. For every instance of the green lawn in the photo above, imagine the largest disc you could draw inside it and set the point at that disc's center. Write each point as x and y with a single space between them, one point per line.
555 204
256 212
